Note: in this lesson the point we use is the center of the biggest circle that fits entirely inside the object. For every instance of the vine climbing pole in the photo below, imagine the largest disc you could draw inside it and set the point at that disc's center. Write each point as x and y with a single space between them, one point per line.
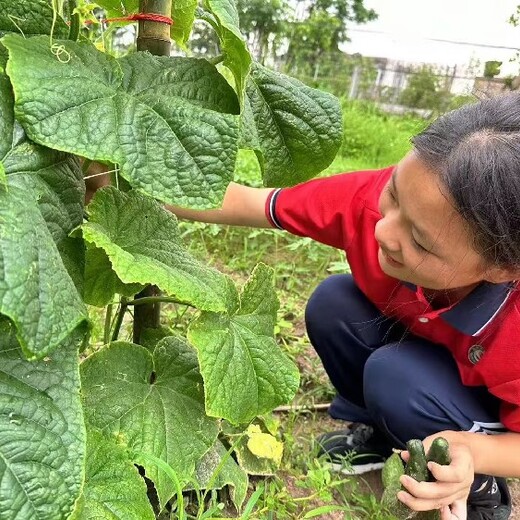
153 36
154 27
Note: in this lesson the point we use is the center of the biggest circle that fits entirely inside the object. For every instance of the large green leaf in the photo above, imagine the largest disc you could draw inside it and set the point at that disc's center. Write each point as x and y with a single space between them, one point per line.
245 373
295 130
153 403
101 282
165 121
142 242
183 14
218 469
7 123
41 432
29 17
113 489
36 291
237 56
56 178
57 182
119 7
43 203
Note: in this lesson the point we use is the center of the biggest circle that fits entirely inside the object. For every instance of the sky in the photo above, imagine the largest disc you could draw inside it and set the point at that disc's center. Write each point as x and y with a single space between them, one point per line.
406 30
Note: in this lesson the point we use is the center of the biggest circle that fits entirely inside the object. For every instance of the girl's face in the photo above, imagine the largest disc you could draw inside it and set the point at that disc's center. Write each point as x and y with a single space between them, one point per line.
422 239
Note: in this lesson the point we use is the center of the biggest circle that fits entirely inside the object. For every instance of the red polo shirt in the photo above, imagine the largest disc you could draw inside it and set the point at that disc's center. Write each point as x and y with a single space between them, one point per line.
482 331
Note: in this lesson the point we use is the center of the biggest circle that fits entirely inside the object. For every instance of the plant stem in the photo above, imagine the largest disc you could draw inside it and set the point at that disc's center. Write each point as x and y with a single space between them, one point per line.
147 315
74 22
119 318
299 408
154 37
217 59
108 324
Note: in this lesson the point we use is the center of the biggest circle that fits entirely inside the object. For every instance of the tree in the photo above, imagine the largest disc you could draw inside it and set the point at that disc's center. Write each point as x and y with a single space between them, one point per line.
424 90
263 24
321 28
492 68
204 40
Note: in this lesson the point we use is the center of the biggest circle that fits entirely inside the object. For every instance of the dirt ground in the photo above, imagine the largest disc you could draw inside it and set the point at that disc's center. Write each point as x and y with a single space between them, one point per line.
515 492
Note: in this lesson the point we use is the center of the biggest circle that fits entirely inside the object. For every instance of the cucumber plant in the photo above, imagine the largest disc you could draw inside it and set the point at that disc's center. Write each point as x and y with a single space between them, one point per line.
74 427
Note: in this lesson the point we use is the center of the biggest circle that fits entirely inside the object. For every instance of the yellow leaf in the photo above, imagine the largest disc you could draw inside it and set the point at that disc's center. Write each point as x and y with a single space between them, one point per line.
264 445
252 429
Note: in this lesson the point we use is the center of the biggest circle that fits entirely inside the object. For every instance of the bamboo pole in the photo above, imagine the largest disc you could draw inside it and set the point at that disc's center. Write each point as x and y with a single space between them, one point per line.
154 37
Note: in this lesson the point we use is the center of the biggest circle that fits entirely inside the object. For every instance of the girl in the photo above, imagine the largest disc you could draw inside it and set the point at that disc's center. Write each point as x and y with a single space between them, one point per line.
423 339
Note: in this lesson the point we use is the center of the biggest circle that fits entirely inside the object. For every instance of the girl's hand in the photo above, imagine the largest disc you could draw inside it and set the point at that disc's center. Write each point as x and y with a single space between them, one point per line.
450 492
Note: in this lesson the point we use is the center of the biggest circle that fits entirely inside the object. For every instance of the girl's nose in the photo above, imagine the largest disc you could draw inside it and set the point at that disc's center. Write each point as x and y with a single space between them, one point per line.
385 234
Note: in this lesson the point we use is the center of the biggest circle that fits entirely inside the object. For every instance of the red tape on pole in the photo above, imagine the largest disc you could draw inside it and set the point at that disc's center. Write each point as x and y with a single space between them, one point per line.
149 17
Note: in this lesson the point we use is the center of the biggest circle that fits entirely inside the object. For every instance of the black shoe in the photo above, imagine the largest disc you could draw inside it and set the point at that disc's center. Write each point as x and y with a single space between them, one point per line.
492 502
355 450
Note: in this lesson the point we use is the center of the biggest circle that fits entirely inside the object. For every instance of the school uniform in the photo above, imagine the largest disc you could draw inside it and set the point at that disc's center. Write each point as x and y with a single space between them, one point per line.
399 365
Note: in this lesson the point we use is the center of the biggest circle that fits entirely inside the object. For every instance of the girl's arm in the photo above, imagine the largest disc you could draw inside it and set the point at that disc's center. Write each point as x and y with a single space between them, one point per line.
497 455
242 206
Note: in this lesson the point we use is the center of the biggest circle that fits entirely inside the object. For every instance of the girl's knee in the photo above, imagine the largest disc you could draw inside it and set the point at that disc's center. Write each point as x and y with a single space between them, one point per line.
391 391
386 381
327 303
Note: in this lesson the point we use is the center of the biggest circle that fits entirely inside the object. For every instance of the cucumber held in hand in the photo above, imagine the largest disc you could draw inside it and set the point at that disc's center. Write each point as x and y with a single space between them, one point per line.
439 452
416 468
391 473
416 465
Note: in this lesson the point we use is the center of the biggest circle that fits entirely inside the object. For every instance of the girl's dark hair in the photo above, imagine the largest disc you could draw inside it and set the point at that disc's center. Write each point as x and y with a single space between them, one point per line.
476 152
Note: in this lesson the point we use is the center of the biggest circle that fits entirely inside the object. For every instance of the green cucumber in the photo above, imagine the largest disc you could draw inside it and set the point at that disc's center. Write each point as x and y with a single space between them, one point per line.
416 466
439 452
392 470
390 474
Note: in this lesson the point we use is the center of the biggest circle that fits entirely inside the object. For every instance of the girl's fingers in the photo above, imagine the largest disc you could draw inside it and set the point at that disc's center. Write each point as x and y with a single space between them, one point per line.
452 473
420 504
432 490
446 513
459 510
